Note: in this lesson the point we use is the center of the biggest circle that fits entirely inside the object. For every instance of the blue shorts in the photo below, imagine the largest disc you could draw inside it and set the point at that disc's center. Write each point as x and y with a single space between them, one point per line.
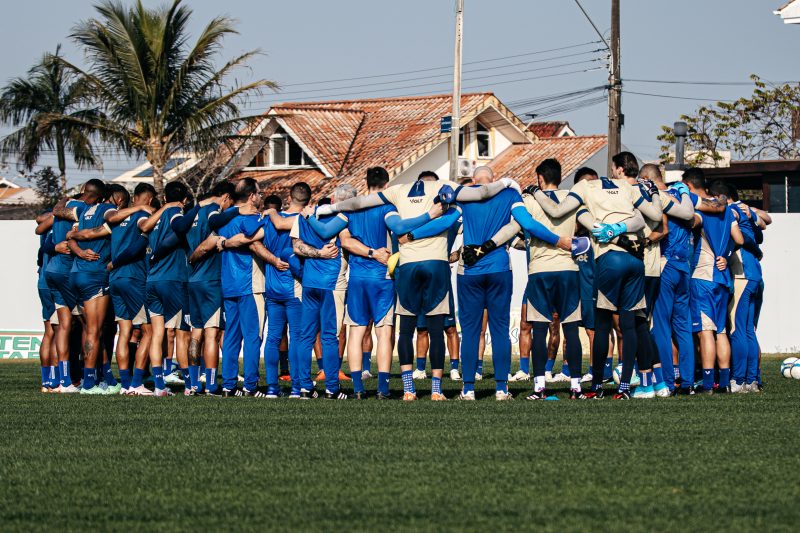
205 304
619 279
449 320
89 285
63 293
709 305
168 299
423 287
47 299
369 299
127 297
554 292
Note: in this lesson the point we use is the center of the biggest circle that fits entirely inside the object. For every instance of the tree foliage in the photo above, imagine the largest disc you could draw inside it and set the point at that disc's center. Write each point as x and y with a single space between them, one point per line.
47 185
159 93
765 125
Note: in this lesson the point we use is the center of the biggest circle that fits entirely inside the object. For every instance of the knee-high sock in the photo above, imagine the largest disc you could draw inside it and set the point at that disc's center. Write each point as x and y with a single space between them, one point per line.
539 347
573 348
603 321
627 323
405 341
436 334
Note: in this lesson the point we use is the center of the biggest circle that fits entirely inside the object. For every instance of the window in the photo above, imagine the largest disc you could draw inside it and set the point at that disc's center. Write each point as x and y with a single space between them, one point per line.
281 151
483 138
462 140
784 195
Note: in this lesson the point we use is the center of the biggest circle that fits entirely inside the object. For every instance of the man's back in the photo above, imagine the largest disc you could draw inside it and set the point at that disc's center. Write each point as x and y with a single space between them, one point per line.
123 236
172 267
62 263
91 218
242 272
715 237
208 268
369 227
544 257
280 285
481 220
609 201
319 273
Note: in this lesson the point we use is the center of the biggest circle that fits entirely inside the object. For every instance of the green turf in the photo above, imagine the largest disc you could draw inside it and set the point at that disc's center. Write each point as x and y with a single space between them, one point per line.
691 464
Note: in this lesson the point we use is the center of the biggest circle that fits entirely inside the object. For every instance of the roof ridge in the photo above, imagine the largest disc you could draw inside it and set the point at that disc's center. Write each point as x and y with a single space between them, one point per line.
316 108
386 99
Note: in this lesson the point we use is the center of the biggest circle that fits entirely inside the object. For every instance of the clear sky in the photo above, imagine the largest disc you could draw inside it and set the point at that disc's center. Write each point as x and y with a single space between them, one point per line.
316 40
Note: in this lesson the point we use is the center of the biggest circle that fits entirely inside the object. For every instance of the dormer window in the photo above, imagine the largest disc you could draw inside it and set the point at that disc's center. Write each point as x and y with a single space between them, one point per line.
282 151
483 139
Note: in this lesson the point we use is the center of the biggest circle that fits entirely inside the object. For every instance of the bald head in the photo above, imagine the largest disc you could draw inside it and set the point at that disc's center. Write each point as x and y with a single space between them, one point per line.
483 175
651 172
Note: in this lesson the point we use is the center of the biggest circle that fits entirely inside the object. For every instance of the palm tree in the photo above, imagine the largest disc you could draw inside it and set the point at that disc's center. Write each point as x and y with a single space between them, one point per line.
29 105
160 95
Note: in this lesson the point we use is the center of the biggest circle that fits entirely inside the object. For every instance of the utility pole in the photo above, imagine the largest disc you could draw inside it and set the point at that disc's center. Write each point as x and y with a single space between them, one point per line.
615 117
456 128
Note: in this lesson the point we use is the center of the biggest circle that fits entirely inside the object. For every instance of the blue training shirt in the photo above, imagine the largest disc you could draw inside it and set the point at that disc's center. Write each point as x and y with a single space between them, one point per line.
94 217
44 260
716 234
369 227
210 267
481 221
124 235
62 263
242 272
279 285
750 265
676 246
173 267
318 273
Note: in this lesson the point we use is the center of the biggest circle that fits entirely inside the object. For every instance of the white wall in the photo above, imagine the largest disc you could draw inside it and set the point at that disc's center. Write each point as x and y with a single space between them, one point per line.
779 329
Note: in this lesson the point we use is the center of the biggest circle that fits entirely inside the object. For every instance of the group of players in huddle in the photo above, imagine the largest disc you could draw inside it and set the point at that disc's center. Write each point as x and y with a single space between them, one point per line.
659 265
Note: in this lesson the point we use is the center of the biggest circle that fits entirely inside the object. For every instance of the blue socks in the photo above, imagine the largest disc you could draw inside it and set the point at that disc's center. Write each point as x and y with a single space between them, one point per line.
565 369
421 363
525 364
469 387
319 365
608 367
708 378
366 361
168 366
436 385
194 376
501 386
480 366
383 382
453 364
66 380
658 375
108 375
138 377
125 378
89 377
408 381
358 384
45 376
724 378
211 380
548 367
158 377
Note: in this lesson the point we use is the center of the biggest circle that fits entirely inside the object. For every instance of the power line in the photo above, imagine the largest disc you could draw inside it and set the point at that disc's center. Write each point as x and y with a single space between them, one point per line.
673 97
684 82
585 14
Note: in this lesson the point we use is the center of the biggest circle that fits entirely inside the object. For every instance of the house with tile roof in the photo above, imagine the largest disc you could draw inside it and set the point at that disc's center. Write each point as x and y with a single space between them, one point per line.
551 128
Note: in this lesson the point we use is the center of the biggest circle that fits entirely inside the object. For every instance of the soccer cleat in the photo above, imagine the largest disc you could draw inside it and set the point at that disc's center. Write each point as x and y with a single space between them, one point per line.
250 394
644 392
478 376
661 390
338 395
274 394
382 396
587 378
141 390
419 374
560 377
173 378
501 396
739 389
162 393
438 397
343 376
191 391
467 396
215 394
409 396
228 393
366 374
579 395
598 394
622 395
294 395
113 390
548 377
454 375
519 376
285 377
320 376
202 378
541 395
635 382
45 389
96 390
359 395
308 394
683 391
753 387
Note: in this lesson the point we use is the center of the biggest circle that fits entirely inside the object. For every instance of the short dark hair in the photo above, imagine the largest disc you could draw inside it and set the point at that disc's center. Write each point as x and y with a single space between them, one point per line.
377 177
720 187
300 193
95 187
584 172
465 181
175 191
144 188
696 177
222 188
244 188
550 171
324 201
115 189
273 200
627 161
427 174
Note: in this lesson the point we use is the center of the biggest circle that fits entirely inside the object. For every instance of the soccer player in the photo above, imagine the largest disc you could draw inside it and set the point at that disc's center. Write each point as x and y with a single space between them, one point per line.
197 227
166 298
48 357
612 204
89 279
66 213
421 277
714 235
127 275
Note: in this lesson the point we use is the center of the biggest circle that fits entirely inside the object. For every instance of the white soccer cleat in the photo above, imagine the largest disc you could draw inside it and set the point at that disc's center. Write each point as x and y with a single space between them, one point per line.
173 378
587 378
69 389
560 377
202 377
454 375
162 393
112 391
366 374
663 392
478 376
739 389
141 390
520 376
643 393
419 374
467 396
753 387
501 396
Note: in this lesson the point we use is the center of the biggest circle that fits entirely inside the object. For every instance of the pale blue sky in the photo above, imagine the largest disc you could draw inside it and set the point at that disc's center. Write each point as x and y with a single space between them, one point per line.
313 40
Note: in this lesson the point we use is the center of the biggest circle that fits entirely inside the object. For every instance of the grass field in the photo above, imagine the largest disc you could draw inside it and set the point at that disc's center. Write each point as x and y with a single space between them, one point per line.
725 462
